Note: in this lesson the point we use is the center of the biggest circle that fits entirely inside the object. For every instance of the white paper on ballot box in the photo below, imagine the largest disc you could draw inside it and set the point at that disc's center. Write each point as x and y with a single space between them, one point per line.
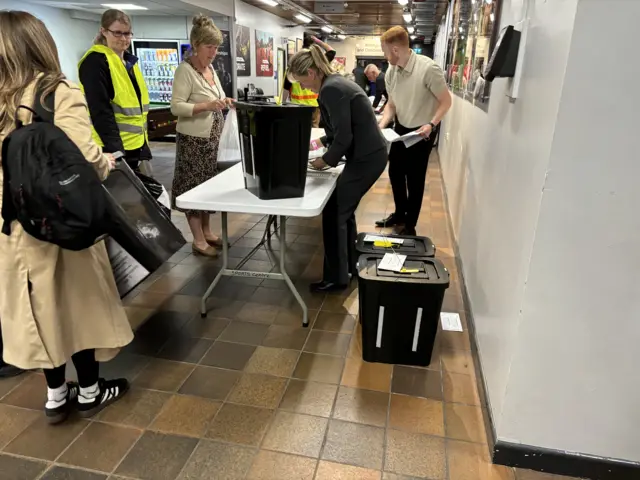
127 272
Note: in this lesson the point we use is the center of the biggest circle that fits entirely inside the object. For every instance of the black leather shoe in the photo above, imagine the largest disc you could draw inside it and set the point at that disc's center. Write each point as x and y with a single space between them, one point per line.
406 231
391 221
326 287
7 370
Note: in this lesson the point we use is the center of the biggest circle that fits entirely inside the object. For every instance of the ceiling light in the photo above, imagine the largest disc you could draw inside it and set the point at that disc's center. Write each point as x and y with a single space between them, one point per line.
342 37
271 3
403 2
124 6
326 28
407 16
411 29
302 18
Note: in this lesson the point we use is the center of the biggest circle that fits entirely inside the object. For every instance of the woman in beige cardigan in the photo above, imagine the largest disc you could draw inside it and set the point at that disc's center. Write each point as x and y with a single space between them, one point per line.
55 304
198 101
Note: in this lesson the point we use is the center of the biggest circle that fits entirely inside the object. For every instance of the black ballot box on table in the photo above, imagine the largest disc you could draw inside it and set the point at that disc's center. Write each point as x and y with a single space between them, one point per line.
274 144
415 246
400 312
141 234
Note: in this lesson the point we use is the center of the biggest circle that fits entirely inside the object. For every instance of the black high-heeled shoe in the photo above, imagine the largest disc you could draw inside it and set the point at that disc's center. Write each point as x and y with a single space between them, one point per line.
326 287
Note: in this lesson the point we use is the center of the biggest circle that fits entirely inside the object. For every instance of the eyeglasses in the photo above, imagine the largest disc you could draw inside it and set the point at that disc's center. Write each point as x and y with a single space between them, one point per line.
119 34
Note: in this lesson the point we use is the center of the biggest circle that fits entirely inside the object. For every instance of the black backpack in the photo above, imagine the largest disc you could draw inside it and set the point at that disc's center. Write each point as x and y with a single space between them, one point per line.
49 187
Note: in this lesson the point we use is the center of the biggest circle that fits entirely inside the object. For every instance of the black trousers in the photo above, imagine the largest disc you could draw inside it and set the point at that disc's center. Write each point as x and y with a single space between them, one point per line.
408 173
2 363
87 368
338 217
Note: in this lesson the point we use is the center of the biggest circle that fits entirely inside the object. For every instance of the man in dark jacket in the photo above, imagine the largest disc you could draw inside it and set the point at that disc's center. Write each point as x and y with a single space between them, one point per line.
374 75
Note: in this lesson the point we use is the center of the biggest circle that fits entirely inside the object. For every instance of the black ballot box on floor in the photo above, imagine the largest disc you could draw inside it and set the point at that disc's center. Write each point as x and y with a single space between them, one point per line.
416 246
274 144
399 312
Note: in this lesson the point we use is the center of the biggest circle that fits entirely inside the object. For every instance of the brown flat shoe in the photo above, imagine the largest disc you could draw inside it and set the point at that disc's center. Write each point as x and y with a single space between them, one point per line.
210 251
216 243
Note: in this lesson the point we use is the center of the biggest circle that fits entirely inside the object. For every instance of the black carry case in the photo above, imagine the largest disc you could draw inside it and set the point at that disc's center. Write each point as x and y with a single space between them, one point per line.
400 312
414 246
274 143
141 228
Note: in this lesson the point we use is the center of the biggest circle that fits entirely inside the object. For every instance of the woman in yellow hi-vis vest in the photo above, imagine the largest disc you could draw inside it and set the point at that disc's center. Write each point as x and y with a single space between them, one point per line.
116 92
295 93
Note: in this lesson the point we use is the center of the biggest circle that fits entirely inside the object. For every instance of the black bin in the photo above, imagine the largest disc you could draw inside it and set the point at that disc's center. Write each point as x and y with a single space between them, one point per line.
274 142
400 312
415 246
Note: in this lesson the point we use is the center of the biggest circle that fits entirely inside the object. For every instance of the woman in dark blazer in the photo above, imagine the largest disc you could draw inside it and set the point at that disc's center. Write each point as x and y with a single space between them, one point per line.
352 132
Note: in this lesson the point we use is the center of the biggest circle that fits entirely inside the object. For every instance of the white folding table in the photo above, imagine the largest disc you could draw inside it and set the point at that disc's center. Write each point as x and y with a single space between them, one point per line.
226 193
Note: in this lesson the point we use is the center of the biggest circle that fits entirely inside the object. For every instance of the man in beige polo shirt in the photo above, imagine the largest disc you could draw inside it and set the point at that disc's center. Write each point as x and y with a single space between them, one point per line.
418 99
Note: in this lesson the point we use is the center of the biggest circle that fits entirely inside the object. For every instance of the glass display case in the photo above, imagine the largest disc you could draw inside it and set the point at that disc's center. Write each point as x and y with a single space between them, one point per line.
158 61
474 30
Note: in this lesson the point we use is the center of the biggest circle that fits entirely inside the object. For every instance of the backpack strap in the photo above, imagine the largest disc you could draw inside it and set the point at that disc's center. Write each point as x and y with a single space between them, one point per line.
46 111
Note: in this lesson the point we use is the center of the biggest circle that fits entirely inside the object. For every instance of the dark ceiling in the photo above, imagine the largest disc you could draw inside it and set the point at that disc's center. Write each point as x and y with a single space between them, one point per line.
362 17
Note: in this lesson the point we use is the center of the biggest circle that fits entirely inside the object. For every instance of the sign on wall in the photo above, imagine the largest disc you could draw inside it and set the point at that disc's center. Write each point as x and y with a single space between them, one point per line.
368 46
222 64
243 51
264 54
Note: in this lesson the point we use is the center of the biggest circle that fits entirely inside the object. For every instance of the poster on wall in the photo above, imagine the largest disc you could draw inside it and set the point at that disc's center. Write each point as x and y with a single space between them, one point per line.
222 64
243 51
264 54
339 64
291 48
298 44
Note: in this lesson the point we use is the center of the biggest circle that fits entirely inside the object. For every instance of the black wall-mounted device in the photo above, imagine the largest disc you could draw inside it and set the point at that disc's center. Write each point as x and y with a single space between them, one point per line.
505 55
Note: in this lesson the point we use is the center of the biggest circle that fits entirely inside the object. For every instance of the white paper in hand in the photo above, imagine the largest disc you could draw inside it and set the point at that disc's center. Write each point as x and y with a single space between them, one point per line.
392 262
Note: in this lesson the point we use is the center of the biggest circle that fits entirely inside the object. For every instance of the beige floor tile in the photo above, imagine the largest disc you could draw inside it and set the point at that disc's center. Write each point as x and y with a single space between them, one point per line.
319 368
163 375
460 388
464 422
417 415
13 421
370 376
309 398
296 434
457 361
258 390
137 408
213 460
337 471
415 455
470 461
186 415
362 406
280 466
273 361
531 475
353 444
240 424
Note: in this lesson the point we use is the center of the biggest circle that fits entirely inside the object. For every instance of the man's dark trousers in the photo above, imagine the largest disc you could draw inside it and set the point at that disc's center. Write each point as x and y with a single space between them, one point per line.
408 173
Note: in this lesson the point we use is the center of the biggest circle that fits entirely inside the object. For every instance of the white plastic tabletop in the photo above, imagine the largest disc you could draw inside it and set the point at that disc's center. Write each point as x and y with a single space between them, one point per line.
226 193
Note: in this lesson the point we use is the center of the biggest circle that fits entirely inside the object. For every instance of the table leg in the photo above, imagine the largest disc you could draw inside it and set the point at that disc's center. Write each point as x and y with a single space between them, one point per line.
225 264
283 272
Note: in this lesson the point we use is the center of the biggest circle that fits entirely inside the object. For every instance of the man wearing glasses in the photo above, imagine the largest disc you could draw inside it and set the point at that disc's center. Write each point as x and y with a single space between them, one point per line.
116 92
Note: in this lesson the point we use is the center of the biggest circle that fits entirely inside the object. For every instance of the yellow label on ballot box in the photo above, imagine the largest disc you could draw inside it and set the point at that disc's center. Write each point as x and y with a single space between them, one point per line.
383 244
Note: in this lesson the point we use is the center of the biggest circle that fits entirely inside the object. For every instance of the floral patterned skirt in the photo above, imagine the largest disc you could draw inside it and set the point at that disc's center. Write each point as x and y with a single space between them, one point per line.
196 161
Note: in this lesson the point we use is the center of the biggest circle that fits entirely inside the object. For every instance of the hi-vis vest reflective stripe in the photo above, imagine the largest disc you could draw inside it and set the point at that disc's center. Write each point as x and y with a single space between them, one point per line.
303 96
131 117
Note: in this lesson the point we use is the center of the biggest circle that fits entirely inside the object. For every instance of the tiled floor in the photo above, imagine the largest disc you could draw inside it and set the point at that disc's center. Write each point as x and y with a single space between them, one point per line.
248 393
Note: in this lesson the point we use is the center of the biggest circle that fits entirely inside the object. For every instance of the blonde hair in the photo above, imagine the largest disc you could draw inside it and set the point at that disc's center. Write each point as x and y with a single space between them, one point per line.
307 59
27 50
109 18
396 36
204 32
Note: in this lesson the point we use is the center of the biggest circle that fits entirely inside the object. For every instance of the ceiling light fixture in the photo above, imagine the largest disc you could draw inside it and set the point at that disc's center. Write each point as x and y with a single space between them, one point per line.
403 2
124 6
411 29
270 3
342 37
302 18
326 28
407 16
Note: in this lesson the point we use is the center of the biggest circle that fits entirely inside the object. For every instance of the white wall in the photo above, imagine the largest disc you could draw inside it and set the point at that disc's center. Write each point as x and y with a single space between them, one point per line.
542 193
169 27
73 37
346 48
257 19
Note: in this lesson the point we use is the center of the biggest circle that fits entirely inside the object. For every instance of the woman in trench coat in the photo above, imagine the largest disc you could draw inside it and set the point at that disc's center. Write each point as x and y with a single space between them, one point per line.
55 304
